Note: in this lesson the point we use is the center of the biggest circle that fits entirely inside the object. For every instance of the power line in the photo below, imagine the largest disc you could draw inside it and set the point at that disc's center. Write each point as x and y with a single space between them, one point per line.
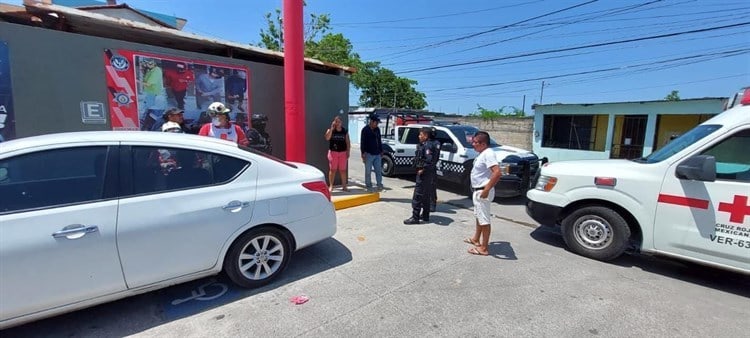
718 54
608 13
436 16
473 35
577 47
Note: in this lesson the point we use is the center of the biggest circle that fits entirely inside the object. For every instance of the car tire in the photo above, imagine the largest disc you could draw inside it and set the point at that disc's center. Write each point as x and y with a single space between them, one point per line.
596 232
388 167
257 257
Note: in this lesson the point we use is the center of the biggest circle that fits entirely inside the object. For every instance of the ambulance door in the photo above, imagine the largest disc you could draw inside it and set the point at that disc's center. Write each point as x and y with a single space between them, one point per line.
704 219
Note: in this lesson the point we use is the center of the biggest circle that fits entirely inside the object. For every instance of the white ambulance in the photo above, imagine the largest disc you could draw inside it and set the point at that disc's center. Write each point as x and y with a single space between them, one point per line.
688 200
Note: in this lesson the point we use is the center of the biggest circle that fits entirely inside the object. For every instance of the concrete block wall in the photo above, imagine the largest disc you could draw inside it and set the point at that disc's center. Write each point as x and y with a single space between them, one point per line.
512 131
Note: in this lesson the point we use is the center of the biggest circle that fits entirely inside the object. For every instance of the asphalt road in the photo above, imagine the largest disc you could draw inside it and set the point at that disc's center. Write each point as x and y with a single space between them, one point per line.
378 277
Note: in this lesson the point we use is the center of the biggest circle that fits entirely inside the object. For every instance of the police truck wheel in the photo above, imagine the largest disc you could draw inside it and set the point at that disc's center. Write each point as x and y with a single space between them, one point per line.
257 257
596 232
388 167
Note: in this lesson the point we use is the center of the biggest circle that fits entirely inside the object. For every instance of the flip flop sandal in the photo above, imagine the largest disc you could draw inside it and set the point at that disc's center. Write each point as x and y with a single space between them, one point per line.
469 240
474 251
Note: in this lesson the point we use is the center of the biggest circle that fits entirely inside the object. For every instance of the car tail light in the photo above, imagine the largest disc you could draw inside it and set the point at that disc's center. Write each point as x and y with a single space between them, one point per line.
318 186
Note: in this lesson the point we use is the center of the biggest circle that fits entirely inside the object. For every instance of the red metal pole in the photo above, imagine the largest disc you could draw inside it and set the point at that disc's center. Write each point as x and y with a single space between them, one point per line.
294 80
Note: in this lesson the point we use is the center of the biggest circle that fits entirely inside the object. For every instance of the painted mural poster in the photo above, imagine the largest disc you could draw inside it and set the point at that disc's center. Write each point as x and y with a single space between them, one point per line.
7 118
143 86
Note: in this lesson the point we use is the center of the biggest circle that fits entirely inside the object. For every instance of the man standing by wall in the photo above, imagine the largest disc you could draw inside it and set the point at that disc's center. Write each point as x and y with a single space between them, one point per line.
153 84
236 88
177 81
209 88
484 175
371 147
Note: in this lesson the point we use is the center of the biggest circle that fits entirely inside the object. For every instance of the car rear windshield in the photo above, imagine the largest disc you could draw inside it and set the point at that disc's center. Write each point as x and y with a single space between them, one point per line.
682 142
465 135
271 157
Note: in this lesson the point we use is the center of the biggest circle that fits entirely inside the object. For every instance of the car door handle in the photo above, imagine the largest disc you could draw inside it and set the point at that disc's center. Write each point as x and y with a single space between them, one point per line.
235 206
75 231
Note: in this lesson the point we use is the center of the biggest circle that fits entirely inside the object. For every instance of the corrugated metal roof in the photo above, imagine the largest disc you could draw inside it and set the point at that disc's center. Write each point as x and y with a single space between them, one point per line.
167 20
88 23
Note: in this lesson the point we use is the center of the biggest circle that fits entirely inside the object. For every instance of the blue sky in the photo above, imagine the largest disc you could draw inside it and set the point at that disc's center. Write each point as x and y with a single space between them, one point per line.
492 53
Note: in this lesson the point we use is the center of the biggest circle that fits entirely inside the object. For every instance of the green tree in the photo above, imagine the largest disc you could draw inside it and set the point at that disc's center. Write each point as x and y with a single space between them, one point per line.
379 86
273 37
673 96
489 115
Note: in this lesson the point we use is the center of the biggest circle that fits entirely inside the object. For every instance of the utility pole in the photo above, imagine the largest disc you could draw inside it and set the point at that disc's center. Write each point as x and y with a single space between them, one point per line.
542 94
523 106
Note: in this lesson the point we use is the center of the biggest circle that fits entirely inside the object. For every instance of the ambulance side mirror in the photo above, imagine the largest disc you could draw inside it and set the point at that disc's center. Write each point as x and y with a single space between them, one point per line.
698 168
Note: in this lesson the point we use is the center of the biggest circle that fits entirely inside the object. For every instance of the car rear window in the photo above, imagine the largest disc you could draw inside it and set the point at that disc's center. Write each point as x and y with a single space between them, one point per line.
270 157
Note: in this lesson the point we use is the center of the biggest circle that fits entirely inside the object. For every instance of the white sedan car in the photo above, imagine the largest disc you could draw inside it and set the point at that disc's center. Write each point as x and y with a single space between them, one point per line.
90 217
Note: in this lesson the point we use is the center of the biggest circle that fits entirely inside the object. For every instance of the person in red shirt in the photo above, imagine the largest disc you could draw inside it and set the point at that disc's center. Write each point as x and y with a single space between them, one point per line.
221 127
178 80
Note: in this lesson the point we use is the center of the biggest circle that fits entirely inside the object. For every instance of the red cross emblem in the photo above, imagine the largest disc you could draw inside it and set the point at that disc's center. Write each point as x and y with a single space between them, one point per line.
737 210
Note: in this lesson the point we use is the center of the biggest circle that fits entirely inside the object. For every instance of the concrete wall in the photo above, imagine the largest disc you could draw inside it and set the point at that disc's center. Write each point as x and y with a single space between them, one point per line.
52 72
512 131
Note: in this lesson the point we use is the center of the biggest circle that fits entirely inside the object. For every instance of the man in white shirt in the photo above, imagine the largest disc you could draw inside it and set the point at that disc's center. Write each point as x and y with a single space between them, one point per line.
484 175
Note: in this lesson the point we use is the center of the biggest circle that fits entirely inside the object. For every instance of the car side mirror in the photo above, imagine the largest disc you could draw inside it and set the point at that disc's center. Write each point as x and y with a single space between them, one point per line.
449 147
3 174
698 168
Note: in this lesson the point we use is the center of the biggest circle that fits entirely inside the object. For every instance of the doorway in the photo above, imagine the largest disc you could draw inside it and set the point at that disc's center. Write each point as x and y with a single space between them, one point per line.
632 135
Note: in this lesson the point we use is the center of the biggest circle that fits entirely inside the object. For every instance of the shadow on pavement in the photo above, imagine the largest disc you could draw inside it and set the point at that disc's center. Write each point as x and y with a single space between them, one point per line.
723 280
138 313
548 235
502 250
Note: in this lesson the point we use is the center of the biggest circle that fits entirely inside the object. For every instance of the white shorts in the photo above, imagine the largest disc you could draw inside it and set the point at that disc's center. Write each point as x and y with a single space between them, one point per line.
482 206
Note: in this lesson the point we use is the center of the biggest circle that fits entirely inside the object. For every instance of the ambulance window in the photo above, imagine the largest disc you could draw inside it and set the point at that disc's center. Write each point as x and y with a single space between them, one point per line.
732 157
680 143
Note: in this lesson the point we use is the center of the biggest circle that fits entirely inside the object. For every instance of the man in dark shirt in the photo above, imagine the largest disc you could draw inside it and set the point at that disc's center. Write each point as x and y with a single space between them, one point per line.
371 147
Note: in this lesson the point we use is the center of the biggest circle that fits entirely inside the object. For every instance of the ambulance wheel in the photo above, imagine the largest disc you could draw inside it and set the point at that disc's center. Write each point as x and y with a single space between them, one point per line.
388 166
596 232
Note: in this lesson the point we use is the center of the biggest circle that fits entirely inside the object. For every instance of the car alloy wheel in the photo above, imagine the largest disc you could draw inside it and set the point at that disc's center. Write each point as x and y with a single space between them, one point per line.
257 257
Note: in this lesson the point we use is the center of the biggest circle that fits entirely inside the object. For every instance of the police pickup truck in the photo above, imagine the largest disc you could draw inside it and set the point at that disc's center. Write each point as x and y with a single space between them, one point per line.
689 200
457 156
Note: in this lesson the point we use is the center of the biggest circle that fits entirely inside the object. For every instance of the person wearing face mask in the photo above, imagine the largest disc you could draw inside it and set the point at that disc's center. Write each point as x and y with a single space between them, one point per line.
221 127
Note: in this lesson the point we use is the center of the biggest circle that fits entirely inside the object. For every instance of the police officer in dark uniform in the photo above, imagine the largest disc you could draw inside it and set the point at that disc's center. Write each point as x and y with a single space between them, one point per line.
433 184
424 162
